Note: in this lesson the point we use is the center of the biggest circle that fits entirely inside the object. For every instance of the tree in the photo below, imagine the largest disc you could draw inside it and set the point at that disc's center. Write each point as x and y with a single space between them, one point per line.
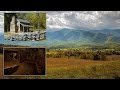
41 17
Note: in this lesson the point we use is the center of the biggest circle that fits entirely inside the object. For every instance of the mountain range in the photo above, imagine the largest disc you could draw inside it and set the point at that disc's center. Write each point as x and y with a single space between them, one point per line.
77 37
68 38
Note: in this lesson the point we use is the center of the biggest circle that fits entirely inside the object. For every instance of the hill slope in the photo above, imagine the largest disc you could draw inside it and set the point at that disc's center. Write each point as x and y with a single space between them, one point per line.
75 38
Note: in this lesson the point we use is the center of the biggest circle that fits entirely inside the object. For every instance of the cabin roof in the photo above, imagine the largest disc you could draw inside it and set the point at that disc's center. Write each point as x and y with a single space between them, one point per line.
24 25
23 20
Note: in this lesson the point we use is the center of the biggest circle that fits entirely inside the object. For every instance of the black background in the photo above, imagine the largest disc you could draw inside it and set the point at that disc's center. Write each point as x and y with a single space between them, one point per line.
61 5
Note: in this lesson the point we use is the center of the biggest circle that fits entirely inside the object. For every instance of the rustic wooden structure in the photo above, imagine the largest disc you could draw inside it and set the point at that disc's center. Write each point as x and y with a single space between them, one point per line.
19 25
20 31
23 25
34 56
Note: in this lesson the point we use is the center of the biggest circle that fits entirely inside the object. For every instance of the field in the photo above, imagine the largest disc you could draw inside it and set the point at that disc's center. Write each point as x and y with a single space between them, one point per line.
63 68
76 68
83 64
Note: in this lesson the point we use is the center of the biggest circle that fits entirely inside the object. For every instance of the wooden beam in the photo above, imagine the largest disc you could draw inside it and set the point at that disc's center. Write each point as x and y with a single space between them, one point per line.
23 28
19 27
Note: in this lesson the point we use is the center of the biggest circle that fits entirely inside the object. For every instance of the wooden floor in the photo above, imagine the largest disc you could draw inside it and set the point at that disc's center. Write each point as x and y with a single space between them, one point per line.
23 69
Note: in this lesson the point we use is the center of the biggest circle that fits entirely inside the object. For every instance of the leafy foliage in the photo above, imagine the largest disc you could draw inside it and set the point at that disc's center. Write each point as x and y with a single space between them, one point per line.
87 54
38 20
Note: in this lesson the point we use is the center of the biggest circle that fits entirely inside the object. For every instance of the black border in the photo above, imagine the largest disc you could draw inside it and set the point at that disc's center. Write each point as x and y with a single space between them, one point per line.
62 83
59 5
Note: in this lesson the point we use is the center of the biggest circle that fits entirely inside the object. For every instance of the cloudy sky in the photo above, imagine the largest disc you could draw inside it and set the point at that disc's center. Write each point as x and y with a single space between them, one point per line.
87 20
1 22
83 20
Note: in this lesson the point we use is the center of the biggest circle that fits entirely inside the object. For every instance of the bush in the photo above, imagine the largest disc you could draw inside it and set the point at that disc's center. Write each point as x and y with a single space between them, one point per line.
82 54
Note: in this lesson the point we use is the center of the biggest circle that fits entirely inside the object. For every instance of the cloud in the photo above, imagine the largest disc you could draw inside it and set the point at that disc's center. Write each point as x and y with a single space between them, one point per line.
1 22
83 20
77 19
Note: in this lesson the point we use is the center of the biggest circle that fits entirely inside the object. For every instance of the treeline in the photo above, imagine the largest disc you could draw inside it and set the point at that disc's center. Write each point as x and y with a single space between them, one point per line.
37 20
82 54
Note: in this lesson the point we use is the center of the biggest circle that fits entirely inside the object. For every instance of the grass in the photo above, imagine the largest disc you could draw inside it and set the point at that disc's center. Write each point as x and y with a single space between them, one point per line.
82 69
110 70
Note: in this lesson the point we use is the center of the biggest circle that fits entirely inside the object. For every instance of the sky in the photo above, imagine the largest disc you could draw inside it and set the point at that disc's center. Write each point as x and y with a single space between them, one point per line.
1 22
86 20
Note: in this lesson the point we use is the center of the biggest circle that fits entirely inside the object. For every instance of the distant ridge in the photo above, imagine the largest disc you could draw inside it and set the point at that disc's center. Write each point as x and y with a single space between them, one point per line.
75 38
